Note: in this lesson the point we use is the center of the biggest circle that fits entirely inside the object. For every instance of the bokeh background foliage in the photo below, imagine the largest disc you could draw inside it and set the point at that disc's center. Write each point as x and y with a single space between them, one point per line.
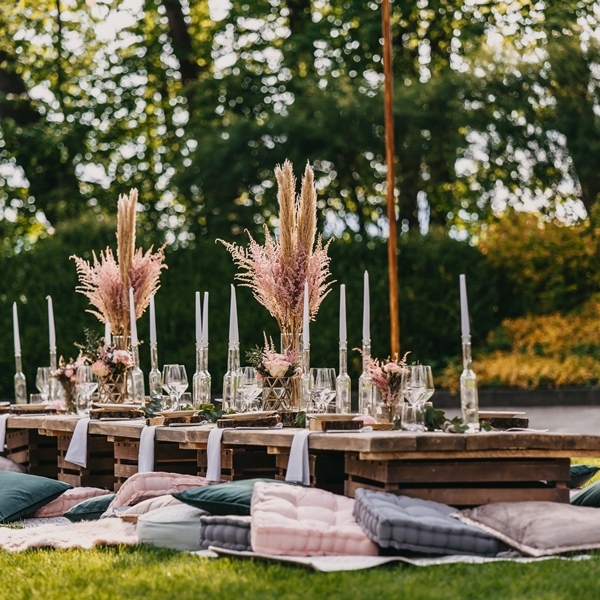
195 101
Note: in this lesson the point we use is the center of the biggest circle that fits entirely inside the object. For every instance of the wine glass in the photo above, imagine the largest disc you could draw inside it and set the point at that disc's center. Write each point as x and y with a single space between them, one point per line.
176 381
42 382
413 384
248 391
86 385
170 405
429 385
321 386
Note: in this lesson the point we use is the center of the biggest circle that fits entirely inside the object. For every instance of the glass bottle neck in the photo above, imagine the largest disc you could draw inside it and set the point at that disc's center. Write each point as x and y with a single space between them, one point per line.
135 356
233 357
18 364
366 354
154 357
466 352
343 358
305 359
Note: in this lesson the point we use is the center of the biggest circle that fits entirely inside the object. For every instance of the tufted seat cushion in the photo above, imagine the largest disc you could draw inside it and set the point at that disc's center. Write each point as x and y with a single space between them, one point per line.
142 486
229 532
298 521
418 525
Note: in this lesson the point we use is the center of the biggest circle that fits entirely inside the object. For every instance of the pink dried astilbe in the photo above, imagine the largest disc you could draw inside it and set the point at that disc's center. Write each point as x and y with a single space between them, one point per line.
101 282
276 272
387 377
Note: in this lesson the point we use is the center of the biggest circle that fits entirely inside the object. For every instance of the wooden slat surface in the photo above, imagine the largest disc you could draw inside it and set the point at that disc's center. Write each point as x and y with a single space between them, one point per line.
470 496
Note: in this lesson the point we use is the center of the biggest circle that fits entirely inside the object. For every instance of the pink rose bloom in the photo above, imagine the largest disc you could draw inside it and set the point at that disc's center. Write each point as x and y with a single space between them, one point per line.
278 366
392 367
123 357
69 371
100 369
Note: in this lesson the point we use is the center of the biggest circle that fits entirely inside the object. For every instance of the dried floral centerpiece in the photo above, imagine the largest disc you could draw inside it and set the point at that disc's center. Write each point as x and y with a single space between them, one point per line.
278 372
66 374
386 377
106 282
276 272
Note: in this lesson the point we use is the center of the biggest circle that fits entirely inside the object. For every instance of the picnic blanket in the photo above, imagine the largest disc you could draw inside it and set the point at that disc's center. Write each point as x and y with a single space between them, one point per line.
87 534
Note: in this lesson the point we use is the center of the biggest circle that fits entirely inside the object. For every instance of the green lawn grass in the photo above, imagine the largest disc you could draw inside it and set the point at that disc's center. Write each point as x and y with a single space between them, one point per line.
152 574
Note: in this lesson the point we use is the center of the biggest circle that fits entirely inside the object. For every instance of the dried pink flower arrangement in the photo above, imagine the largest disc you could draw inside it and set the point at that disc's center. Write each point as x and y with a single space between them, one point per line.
277 271
106 282
387 377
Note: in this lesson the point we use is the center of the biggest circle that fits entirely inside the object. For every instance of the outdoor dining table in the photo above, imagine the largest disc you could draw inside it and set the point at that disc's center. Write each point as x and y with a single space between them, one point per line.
456 469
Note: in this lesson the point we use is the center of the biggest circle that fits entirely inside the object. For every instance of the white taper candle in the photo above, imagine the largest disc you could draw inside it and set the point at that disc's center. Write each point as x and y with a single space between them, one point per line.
464 307
107 332
343 335
51 329
152 322
132 323
17 337
205 319
234 336
198 320
366 309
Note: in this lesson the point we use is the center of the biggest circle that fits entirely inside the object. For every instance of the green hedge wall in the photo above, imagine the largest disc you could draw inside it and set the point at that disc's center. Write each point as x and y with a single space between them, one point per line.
429 301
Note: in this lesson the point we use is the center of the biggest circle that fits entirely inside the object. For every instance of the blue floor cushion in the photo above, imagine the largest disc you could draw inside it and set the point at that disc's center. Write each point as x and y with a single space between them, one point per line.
229 532
417 525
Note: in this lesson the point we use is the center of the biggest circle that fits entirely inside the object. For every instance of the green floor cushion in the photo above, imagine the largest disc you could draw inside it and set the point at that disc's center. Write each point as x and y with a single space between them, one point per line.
90 509
581 474
589 496
231 498
22 494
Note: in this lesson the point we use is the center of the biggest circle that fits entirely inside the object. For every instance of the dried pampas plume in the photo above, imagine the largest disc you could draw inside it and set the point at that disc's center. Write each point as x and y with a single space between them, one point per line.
277 271
106 281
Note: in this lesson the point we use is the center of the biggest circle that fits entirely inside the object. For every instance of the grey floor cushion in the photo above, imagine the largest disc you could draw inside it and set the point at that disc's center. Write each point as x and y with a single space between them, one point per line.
229 532
176 526
418 525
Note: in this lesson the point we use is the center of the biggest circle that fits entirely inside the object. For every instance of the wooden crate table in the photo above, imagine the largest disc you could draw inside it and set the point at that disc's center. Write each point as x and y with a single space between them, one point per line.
467 470
27 445
125 437
242 455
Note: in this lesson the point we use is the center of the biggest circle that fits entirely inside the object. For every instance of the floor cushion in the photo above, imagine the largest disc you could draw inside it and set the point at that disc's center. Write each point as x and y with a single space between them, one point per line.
133 513
231 498
89 510
10 465
589 496
538 528
176 526
22 494
298 521
581 474
229 532
418 525
142 486
68 500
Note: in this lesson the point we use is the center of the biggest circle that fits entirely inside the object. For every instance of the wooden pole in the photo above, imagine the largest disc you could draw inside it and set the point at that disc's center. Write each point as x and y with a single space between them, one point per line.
391 196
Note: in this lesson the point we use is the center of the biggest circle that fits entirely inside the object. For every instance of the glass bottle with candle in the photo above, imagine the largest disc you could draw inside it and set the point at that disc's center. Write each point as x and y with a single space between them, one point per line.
231 379
365 386
469 401
20 382
343 398
155 376
135 379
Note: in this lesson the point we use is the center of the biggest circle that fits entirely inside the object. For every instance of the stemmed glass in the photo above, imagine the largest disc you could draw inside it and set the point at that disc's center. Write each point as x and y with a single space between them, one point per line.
414 389
42 382
86 385
175 382
248 392
321 388
429 385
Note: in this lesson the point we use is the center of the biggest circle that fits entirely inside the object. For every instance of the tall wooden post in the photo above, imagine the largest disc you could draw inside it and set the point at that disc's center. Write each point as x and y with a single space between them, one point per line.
389 159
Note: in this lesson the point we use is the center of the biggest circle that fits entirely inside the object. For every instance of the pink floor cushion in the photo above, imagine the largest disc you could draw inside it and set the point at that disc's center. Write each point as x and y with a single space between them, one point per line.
142 486
297 521
68 500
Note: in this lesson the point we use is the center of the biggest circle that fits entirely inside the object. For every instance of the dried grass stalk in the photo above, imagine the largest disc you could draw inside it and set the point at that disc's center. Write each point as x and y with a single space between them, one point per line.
106 281
277 271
